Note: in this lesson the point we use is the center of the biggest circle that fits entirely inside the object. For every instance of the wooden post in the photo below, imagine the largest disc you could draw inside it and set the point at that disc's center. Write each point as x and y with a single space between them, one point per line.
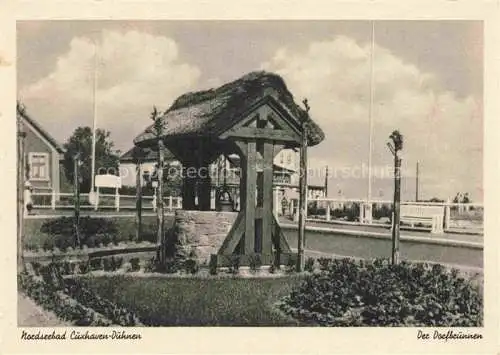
397 207
328 211
447 211
96 205
250 197
20 195
267 205
76 181
159 200
117 200
138 199
53 200
303 194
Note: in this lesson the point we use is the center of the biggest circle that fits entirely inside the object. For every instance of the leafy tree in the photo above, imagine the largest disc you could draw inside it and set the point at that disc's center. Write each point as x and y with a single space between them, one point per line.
106 160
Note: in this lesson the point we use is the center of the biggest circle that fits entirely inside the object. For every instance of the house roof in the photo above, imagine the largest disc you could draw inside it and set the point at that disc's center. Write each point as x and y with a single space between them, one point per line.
150 155
22 113
210 112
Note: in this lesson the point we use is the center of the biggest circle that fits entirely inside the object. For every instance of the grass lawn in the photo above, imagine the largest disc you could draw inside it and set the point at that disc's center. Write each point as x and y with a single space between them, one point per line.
199 301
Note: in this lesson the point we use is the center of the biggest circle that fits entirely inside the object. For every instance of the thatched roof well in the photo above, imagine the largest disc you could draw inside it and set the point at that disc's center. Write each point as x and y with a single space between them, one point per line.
209 113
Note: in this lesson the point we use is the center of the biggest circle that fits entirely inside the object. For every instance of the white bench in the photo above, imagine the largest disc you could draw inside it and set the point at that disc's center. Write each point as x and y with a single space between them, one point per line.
427 215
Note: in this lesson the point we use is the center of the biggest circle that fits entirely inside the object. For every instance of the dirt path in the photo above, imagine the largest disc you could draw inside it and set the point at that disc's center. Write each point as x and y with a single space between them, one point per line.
29 314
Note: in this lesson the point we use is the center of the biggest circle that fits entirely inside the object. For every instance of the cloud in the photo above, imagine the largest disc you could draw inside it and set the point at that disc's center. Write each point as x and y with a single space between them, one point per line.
136 70
441 131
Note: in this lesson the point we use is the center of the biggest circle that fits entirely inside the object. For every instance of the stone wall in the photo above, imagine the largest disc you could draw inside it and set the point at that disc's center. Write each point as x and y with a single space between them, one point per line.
198 233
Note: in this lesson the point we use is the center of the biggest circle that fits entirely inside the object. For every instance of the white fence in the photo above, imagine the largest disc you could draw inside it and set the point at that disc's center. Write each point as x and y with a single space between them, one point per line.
456 216
114 202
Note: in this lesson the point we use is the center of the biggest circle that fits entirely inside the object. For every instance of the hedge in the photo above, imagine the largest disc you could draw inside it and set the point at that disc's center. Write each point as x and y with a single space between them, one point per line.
59 232
349 293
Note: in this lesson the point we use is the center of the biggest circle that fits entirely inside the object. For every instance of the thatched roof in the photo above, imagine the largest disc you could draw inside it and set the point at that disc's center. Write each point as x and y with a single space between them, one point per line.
148 156
209 113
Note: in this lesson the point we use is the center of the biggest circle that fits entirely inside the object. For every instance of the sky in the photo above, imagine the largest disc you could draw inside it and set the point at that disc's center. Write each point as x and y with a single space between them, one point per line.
427 83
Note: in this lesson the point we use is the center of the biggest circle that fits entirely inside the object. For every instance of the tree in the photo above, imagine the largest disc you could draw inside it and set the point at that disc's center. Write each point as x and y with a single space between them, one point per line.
106 160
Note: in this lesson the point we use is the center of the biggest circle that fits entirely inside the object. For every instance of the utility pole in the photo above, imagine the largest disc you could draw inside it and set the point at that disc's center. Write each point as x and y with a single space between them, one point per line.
76 181
303 191
94 124
416 184
395 148
20 187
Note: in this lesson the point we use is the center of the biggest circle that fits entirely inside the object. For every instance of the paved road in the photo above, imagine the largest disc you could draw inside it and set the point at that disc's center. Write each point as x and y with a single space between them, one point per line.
475 238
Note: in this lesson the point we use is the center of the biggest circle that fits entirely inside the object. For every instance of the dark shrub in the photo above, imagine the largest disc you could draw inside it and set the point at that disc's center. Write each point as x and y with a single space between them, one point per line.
290 266
191 266
380 294
135 264
96 264
100 229
212 266
83 267
324 263
309 264
234 267
107 264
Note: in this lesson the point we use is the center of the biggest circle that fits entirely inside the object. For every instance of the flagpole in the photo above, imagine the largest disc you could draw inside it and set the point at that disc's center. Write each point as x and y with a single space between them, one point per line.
94 126
370 114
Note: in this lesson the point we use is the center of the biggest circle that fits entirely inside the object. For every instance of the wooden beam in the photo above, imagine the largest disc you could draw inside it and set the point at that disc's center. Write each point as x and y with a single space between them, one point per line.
262 133
267 206
234 236
251 182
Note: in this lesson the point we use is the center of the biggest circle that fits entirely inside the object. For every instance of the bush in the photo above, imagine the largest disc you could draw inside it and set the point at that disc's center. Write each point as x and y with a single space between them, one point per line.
93 231
212 266
291 265
135 264
235 264
309 264
379 294
191 266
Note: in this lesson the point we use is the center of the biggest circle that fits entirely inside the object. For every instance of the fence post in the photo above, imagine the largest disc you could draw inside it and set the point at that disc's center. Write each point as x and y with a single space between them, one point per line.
170 203
117 200
447 216
53 200
328 211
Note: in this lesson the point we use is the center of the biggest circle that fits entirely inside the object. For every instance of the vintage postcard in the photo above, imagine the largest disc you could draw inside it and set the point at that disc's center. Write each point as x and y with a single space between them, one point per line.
259 178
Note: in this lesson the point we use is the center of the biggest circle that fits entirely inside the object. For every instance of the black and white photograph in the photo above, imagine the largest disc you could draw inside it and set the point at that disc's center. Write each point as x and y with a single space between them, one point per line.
291 173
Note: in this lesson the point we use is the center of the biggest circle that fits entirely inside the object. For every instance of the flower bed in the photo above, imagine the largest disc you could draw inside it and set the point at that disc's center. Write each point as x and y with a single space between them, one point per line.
71 301
49 297
349 293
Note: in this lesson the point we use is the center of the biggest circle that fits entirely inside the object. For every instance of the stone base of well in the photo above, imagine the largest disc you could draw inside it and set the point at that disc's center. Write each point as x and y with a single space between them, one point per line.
198 234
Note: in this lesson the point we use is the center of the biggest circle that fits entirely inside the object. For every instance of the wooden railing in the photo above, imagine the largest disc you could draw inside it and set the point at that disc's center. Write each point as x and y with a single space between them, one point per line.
466 216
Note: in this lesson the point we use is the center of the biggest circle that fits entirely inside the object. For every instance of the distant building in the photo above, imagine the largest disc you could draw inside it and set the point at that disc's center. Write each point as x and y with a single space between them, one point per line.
43 156
285 169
